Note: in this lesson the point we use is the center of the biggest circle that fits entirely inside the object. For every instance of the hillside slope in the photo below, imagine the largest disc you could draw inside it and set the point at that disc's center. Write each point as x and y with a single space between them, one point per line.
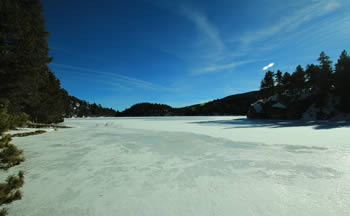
231 105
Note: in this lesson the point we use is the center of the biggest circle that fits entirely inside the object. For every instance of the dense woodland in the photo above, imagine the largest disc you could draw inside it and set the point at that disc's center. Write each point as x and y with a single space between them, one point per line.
319 80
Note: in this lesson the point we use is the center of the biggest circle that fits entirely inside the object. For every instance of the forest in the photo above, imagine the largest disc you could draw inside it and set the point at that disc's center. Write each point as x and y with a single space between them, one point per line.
319 80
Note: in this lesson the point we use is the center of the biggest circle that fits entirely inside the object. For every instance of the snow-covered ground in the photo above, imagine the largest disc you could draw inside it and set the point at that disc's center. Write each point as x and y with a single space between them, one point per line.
186 166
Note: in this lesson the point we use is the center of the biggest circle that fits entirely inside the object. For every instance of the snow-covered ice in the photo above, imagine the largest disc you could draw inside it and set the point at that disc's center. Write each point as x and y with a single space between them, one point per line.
182 166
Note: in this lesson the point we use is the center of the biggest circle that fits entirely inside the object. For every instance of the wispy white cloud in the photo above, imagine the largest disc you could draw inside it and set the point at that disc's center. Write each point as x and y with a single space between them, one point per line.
332 5
214 49
306 12
221 54
112 79
220 67
210 34
268 66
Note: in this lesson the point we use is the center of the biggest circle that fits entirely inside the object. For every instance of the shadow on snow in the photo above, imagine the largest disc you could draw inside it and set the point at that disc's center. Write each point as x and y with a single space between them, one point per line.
254 123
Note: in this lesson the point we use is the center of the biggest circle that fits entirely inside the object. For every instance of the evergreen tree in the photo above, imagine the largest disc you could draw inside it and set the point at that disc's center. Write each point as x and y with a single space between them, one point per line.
286 81
319 80
298 79
312 74
25 78
268 84
279 77
325 79
279 84
342 80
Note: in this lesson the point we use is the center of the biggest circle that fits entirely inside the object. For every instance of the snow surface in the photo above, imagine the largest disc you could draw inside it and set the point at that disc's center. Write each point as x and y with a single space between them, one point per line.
182 166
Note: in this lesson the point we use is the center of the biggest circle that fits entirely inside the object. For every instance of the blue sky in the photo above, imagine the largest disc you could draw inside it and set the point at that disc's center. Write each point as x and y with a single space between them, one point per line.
121 52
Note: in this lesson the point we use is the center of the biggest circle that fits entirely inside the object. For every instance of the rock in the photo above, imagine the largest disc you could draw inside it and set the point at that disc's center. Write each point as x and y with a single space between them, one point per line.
284 106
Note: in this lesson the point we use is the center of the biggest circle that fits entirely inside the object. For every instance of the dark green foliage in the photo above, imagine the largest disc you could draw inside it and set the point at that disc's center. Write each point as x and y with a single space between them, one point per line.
25 79
317 77
18 120
267 85
279 84
319 80
3 212
298 79
325 78
4 117
342 81
286 81
268 81
279 77
9 191
10 156
312 74
10 121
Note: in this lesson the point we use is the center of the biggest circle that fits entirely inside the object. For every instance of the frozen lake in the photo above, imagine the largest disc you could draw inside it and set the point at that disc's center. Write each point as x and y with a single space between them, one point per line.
182 166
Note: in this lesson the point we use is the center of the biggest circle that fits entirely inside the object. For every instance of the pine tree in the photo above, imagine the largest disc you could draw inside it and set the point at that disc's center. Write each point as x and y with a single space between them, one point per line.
342 80
298 79
325 79
312 74
278 78
268 84
286 81
25 78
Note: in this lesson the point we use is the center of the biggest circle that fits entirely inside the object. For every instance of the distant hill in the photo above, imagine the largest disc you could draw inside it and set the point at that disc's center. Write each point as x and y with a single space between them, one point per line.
231 105
149 109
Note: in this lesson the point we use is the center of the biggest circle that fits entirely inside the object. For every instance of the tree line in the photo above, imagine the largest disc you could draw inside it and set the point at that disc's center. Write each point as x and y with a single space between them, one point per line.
75 107
320 80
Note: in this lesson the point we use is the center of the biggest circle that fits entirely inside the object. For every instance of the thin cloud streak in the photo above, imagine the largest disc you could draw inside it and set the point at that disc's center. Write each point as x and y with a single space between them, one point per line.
292 22
211 34
115 79
213 41
216 68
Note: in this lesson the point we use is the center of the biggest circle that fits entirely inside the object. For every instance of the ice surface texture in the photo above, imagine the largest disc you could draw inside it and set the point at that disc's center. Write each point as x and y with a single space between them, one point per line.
196 166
